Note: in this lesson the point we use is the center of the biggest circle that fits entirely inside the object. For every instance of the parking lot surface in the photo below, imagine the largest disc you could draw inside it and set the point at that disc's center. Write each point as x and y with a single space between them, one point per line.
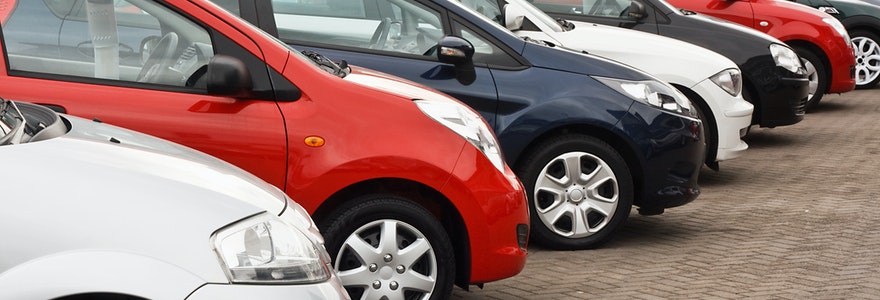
793 218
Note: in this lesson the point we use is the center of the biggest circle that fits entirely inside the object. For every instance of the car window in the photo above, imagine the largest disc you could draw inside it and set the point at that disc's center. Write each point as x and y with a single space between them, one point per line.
601 8
398 26
124 40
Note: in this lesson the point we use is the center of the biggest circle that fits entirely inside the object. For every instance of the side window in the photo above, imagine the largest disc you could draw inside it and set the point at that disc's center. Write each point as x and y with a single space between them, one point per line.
115 40
403 26
602 8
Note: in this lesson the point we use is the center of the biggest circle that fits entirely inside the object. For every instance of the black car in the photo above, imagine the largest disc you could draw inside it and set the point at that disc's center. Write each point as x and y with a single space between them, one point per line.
776 86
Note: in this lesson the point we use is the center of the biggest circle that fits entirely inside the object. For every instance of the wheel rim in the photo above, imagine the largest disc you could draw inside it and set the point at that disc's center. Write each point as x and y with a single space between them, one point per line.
576 194
813 76
387 259
867 60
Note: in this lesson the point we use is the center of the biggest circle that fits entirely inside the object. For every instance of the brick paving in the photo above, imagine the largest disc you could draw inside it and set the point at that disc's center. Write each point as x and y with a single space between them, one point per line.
793 218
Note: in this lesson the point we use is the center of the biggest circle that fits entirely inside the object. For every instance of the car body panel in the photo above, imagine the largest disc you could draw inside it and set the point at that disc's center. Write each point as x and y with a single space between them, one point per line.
779 96
662 57
857 17
789 22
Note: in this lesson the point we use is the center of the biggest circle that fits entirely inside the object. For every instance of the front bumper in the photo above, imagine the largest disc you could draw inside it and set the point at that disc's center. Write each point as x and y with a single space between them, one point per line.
779 96
671 150
732 116
495 212
330 289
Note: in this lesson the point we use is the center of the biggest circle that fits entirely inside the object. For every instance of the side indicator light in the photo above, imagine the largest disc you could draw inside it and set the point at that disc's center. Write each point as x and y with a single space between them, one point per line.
314 141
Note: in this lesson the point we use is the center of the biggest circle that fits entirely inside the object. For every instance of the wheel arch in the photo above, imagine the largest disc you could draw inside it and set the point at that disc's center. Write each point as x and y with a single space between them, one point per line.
709 124
432 200
624 148
867 23
816 50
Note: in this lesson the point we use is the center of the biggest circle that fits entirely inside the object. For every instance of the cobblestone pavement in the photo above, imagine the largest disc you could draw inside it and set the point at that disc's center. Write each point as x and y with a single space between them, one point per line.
793 218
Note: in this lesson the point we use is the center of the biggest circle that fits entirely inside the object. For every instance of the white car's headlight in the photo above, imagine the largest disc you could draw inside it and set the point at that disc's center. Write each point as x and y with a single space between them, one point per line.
467 124
729 80
264 249
785 57
839 28
652 92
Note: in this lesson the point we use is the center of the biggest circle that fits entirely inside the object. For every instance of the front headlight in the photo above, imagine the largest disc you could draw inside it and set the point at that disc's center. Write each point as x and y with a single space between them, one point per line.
729 80
839 28
467 124
264 249
651 92
785 57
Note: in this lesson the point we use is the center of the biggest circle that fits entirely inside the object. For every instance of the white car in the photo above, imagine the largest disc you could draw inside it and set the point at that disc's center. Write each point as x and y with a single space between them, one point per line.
93 211
711 81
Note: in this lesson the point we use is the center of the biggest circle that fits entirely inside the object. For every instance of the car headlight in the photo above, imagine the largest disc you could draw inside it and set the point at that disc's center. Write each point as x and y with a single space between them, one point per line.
729 80
264 249
651 92
466 123
785 58
839 28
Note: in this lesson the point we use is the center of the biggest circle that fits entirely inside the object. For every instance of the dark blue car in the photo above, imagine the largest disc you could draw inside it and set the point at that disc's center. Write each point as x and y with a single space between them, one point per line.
588 137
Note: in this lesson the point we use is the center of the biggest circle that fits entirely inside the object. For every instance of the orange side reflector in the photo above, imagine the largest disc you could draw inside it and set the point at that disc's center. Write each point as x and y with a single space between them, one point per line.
314 141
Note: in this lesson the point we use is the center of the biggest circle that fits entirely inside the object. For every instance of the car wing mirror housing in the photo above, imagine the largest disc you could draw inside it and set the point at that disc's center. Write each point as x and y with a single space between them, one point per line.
514 17
636 10
459 52
228 76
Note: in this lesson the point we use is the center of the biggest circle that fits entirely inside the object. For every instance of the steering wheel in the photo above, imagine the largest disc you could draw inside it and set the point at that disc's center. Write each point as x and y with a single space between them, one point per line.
381 35
160 59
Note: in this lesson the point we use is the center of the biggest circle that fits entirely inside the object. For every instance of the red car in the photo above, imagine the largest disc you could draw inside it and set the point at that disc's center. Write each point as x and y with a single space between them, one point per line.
819 39
407 185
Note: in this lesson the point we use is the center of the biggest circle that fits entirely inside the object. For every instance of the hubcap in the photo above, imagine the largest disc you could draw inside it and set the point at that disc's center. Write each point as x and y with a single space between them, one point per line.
576 194
814 78
867 60
387 259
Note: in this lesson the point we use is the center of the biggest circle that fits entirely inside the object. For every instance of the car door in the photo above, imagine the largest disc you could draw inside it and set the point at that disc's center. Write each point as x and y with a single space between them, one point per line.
138 64
737 11
391 36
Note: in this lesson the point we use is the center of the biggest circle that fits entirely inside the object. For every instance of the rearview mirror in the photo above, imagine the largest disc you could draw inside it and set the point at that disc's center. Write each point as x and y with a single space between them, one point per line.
636 10
514 17
227 75
459 52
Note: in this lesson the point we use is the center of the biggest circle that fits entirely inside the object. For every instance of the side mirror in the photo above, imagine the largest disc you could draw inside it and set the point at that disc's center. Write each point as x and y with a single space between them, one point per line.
227 75
636 10
459 52
514 17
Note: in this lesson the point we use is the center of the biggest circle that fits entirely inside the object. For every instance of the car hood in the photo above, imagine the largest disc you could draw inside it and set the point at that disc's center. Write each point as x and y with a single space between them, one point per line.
392 84
103 188
661 56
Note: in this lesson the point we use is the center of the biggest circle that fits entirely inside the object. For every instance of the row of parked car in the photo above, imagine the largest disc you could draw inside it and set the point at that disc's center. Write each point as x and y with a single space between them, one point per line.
485 125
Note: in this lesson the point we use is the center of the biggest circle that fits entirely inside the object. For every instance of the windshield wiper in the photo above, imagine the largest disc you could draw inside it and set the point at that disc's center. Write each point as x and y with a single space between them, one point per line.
342 69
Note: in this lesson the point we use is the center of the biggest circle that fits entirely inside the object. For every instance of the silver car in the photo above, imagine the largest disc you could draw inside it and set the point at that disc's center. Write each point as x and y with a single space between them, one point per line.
93 211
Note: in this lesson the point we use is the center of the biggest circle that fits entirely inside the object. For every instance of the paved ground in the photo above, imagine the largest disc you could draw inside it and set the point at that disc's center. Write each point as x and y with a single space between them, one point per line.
793 218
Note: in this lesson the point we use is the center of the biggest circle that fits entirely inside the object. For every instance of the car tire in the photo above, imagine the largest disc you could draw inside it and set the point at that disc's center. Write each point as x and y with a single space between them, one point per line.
817 74
418 262
582 213
867 48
